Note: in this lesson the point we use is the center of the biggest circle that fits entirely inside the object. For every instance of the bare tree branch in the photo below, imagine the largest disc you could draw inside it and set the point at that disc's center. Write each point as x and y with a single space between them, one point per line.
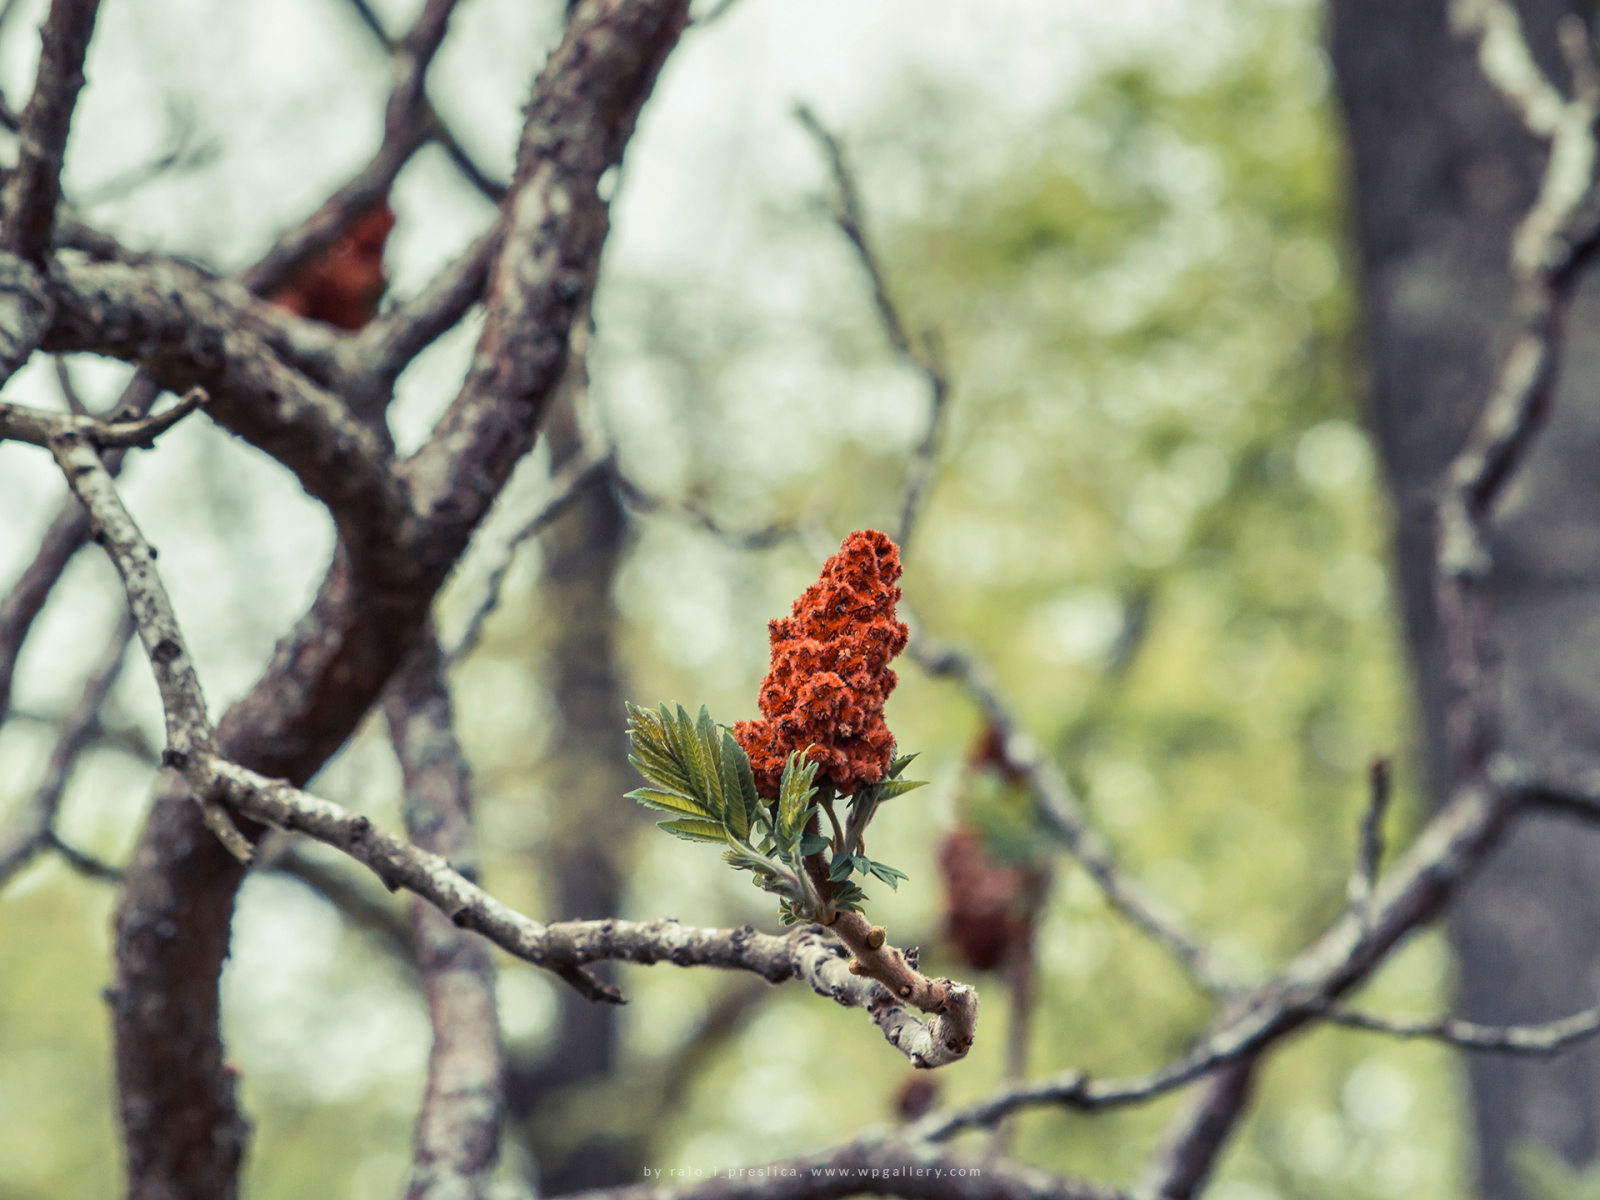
811 953
1542 1040
1453 842
564 489
33 829
41 428
84 864
1061 811
61 541
34 188
554 226
192 330
384 347
1181 1166
189 734
434 125
1555 240
922 354
403 134
182 154
1369 849
184 1135
636 498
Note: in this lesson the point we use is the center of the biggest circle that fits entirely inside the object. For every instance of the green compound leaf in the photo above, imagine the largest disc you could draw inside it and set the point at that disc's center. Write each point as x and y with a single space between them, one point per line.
813 843
696 831
841 867
683 763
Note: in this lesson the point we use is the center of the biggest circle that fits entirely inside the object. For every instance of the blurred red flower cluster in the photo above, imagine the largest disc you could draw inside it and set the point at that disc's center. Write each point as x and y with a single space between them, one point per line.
344 283
990 906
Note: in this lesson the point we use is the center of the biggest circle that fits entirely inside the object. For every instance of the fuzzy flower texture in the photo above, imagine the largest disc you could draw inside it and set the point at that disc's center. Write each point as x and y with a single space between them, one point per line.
830 672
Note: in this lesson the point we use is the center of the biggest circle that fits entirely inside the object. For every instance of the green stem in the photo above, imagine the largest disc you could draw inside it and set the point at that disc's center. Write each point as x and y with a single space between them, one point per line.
838 834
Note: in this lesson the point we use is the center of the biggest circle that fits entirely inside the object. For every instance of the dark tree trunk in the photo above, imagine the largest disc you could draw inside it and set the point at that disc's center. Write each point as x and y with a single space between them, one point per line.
1441 173
586 775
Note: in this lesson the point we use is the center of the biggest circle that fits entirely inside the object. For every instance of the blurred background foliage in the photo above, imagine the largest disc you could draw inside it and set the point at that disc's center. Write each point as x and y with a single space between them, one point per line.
1156 516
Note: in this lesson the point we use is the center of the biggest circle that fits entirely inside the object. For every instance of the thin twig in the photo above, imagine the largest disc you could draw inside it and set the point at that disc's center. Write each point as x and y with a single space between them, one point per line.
33 829
564 489
1542 1040
435 126
1458 837
182 154
923 354
1559 234
1183 1163
41 428
1060 810
66 534
715 13
762 538
1369 850
69 391
86 865
404 133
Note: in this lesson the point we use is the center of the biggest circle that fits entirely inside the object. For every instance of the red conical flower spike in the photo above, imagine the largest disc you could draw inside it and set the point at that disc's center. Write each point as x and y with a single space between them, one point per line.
830 672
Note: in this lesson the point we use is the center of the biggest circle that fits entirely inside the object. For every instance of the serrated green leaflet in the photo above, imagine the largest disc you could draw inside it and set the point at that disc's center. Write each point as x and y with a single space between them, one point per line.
900 764
888 874
813 843
695 831
747 783
708 741
794 796
890 788
653 751
843 864
667 801
739 806
696 756
654 756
